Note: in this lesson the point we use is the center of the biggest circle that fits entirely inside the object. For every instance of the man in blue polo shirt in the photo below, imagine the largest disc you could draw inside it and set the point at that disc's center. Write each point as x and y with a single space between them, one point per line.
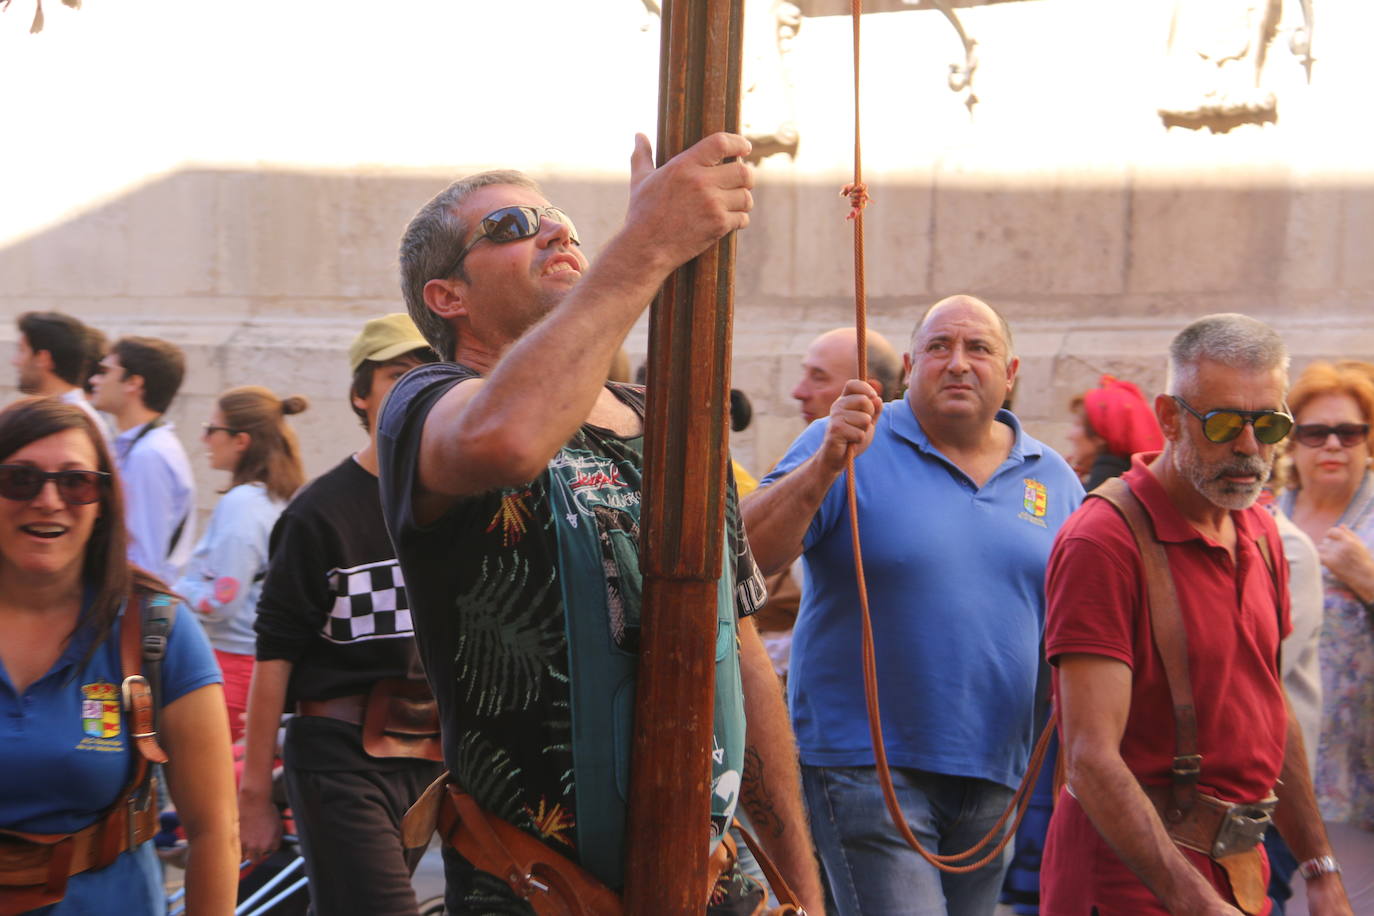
958 509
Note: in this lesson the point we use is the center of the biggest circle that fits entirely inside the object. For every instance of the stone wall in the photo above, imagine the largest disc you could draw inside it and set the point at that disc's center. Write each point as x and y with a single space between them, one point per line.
240 189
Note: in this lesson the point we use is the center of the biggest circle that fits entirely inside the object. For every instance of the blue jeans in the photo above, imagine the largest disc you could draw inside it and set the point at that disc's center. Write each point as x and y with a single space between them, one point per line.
1282 865
870 868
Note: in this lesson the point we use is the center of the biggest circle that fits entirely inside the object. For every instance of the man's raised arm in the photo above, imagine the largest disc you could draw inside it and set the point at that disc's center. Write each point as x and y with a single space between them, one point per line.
776 516
502 430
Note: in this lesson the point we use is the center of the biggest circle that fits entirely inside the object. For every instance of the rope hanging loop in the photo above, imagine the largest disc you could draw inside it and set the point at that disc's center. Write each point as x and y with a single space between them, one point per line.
857 193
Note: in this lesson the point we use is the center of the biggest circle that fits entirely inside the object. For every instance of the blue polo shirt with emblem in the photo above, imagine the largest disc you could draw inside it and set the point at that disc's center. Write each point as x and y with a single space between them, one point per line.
65 756
956 577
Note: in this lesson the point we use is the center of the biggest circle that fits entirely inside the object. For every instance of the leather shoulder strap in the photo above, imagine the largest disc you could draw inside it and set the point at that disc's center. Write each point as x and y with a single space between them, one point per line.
1170 636
148 427
1262 542
776 881
137 692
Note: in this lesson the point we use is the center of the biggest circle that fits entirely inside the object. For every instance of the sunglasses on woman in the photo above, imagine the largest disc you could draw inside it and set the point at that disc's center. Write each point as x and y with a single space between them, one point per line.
511 224
22 483
1314 435
1226 424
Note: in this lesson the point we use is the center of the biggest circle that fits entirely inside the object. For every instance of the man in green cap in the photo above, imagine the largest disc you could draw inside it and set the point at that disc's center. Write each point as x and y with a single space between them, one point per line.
335 641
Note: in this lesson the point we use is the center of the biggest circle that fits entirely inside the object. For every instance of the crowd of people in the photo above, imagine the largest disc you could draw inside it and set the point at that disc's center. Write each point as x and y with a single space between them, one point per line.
452 613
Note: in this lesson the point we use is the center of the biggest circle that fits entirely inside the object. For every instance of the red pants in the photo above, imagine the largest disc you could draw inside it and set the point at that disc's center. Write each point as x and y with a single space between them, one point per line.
238 674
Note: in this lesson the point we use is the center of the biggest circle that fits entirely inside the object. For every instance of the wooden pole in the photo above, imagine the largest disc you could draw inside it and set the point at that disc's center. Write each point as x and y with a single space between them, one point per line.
685 458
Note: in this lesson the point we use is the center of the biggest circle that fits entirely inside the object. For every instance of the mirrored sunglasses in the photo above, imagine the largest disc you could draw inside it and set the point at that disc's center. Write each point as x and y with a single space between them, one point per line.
1224 425
1314 435
22 483
511 224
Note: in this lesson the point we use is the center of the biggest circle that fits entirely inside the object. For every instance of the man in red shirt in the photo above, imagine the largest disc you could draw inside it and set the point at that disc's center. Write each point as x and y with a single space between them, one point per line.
1111 847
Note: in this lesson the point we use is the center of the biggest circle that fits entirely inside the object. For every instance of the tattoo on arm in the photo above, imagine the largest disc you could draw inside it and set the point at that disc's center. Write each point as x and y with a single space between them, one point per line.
754 794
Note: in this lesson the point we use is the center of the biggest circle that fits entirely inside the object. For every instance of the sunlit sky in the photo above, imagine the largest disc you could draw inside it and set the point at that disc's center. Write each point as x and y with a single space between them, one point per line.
122 91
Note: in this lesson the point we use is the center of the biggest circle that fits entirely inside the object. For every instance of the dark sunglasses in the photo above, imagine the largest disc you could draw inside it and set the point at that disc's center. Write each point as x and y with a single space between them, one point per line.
209 429
511 224
1225 425
22 483
1314 435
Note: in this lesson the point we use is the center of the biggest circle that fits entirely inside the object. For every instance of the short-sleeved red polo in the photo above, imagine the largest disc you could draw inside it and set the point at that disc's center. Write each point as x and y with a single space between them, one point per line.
1235 614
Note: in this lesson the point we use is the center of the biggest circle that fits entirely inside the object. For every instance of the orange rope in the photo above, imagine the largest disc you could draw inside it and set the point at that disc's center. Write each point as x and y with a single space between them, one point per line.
857 192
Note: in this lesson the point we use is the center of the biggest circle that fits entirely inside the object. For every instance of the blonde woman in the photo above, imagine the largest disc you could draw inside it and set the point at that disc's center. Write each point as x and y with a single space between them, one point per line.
1331 498
248 436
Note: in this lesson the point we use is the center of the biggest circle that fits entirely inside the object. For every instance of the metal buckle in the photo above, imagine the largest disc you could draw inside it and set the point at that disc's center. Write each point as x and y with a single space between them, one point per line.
1188 765
525 885
126 689
1243 827
154 647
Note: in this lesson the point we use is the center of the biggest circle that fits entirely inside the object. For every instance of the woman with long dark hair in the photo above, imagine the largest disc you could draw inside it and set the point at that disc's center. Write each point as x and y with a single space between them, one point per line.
247 436
77 806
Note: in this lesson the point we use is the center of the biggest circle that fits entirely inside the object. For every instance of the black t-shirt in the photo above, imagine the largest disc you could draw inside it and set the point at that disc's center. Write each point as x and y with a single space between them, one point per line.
485 586
334 603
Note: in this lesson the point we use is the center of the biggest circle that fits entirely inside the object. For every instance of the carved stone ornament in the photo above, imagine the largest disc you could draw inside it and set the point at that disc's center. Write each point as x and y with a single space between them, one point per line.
961 74
37 25
768 114
1216 60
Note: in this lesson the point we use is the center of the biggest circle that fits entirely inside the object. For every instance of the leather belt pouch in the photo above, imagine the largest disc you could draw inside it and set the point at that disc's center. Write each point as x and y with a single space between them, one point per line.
401 719
1228 834
34 867
1246 873
550 883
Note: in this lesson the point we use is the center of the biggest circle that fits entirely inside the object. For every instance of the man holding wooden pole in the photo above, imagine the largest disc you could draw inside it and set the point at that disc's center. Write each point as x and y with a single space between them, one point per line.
511 486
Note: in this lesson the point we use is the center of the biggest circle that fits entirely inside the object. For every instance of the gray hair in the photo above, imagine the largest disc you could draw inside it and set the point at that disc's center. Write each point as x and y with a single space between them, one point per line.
1228 338
430 244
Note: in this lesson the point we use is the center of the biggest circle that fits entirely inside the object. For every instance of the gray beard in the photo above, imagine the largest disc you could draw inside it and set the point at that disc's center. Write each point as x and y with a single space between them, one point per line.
1210 482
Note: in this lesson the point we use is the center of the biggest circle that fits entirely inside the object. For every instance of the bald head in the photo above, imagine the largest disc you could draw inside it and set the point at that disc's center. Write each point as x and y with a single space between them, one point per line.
960 370
961 302
832 359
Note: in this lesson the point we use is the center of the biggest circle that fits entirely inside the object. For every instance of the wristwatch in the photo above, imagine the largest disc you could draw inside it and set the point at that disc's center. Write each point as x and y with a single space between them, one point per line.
1321 865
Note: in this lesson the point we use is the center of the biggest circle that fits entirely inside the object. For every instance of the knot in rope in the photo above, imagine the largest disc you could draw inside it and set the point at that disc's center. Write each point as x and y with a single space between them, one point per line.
858 198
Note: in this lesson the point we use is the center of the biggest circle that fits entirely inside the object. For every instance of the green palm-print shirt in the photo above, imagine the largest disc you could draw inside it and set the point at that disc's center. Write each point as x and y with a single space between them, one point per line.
485 586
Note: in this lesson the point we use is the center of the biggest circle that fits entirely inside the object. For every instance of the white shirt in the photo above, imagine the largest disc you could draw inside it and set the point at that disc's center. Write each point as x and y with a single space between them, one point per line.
78 397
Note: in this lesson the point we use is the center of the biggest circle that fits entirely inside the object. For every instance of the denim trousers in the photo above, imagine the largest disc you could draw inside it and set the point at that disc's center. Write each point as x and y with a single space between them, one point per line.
873 872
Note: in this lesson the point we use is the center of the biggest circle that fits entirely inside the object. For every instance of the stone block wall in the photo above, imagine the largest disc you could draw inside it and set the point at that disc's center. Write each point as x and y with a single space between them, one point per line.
256 223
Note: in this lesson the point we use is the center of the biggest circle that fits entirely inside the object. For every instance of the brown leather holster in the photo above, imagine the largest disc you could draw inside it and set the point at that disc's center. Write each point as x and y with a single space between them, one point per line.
34 867
398 717
402 720
552 884
1213 827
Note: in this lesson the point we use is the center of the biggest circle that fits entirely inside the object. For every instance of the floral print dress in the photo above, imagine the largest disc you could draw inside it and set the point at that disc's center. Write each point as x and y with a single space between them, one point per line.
1344 779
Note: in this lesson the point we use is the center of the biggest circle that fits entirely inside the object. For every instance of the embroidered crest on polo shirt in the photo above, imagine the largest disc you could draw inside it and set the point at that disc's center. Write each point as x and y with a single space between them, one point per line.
100 718
1034 502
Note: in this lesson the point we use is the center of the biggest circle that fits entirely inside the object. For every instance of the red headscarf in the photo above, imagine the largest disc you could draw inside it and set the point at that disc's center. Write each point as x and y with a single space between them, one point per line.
1121 416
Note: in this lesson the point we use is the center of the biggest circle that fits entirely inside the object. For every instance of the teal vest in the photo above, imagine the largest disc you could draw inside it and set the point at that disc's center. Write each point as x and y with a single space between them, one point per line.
603 673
